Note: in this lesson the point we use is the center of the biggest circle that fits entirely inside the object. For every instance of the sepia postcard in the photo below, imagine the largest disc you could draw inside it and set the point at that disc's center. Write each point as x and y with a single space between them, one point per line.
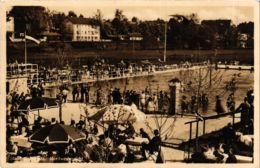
110 83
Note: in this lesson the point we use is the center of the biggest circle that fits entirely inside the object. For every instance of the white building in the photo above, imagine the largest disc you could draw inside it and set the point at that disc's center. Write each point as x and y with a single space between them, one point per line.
135 37
242 40
81 29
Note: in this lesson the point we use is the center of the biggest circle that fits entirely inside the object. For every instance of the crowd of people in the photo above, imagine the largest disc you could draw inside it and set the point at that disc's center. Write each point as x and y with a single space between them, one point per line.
229 144
145 100
232 140
100 145
218 153
101 69
110 145
194 103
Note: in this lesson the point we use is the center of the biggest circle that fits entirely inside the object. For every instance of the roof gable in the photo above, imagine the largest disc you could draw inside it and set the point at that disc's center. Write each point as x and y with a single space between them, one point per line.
86 21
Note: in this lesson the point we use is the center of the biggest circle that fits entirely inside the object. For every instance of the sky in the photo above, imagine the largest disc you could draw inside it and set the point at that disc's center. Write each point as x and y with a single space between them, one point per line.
237 14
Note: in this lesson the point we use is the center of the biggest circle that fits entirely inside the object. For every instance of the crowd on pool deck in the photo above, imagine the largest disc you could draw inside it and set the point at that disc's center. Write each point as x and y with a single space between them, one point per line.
111 145
230 144
232 141
100 69
103 70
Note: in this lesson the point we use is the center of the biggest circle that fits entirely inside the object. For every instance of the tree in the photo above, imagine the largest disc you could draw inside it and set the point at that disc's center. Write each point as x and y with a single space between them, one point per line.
104 28
151 31
98 16
57 20
81 16
32 19
183 32
231 37
63 52
203 80
72 14
135 20
247 28
120 23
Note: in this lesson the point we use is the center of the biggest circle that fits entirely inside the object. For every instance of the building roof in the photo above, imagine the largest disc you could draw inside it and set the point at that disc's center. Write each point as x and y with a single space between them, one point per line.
79 20
46 33
135 35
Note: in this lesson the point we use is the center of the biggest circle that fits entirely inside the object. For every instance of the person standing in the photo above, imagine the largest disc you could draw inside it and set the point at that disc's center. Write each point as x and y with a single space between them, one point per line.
86 93
65 94
82 92
231 103
160 101
184 105
244 108
98 97
153 145
193 104
110 96
219 108
142 101
150 105
40 90
75 93
165 103
155 102
205 102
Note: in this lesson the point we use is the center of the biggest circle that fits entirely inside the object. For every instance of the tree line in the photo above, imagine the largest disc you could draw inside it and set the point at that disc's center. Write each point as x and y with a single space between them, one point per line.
183 31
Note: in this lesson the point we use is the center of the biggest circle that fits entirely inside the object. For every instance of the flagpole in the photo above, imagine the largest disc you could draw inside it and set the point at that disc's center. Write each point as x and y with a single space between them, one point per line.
25 49
165 41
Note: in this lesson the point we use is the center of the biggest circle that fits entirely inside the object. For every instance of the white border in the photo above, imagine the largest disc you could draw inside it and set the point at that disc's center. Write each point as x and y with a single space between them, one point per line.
118 3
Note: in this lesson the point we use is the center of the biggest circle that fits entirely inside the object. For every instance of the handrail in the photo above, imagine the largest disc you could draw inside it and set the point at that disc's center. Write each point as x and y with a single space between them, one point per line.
213 117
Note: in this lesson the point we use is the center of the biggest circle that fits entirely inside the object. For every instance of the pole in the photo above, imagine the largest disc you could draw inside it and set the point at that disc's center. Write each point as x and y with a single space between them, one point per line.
204 127
233 118
197 133
60 107
190 141
165 41
210 75
25 49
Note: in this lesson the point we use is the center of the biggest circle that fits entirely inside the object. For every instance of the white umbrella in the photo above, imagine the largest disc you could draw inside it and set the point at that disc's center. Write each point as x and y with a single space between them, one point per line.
119 114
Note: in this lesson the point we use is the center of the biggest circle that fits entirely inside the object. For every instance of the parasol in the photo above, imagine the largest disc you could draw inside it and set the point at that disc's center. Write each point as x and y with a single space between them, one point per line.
56 134
118 114
37 103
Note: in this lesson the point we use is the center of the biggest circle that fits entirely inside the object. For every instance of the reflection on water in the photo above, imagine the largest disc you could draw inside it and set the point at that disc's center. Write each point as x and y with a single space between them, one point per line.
159 82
